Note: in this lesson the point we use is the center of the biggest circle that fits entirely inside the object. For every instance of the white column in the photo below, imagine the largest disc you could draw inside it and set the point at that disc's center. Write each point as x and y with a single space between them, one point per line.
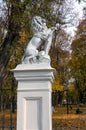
34 96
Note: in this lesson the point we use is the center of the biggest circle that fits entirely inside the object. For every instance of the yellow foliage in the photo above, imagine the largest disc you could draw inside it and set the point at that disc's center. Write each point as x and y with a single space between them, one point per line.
57 86
71 87
23 37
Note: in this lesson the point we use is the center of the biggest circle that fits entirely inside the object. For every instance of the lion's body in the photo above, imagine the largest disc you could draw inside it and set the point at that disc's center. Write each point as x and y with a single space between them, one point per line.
41 35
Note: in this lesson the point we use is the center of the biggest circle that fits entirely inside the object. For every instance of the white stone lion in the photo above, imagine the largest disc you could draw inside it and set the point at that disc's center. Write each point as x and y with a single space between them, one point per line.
42 38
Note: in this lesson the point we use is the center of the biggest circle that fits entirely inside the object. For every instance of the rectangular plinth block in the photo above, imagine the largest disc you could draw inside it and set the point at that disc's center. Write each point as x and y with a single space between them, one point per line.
34 96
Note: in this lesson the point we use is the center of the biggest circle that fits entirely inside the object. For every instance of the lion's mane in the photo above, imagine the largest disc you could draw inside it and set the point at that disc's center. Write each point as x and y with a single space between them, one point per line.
37 24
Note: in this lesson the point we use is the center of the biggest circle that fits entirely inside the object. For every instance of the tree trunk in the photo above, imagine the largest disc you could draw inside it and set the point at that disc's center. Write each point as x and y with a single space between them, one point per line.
10 39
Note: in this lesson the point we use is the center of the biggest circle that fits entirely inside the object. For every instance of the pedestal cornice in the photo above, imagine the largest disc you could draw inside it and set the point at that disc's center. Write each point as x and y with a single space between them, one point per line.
42 71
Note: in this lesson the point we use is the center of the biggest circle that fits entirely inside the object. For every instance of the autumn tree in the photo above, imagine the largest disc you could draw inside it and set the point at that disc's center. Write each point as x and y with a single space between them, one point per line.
59 60
72 94
78 61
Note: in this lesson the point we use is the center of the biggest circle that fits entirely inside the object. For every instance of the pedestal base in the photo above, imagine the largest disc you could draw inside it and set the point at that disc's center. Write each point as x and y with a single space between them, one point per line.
34 96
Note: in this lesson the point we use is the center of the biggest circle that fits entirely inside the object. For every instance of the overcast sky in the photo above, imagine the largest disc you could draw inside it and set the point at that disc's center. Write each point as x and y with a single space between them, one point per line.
78 9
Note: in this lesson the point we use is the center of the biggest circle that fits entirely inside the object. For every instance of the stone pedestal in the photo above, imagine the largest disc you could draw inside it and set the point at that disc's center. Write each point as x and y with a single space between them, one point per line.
34 96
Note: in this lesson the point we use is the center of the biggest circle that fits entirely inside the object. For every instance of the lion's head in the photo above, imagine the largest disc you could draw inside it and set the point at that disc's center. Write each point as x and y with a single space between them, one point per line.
38 24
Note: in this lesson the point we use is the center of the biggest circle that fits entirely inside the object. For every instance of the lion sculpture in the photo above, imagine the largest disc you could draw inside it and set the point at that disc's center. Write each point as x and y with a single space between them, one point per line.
38 48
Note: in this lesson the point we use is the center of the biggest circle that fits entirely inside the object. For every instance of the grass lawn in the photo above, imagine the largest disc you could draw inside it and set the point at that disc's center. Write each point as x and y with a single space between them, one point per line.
7 119
71 121
61 120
